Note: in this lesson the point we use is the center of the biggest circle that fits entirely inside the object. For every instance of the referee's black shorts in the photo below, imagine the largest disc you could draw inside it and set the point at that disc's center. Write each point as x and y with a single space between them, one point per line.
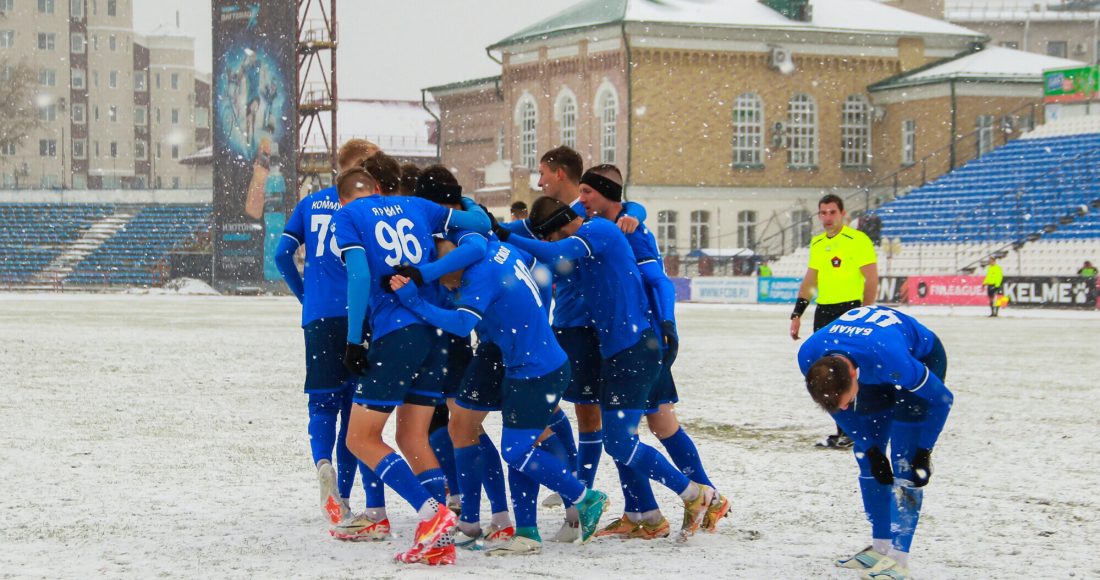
826 313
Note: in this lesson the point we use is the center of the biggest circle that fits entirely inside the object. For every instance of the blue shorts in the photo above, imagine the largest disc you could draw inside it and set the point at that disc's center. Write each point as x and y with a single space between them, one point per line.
326 339
664 390
459 354
528 403
629 375
406 366
582 347
482 384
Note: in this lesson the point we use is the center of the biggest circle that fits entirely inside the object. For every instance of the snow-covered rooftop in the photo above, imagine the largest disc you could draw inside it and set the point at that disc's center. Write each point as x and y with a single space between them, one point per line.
400 128
851 16
1017 11
992 63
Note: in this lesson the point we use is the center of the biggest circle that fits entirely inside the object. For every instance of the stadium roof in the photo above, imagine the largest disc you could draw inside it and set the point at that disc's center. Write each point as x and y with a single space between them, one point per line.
992 64
841 16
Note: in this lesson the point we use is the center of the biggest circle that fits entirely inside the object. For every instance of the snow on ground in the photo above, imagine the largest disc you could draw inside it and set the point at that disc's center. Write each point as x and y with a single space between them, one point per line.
151 436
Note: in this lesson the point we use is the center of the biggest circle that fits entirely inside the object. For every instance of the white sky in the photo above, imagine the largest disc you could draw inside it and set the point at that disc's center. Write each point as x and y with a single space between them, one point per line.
412 44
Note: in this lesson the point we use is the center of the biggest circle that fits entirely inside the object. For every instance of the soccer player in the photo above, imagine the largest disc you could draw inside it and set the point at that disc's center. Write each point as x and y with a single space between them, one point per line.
611 285
501 299
476 461
602 195
323 294
994 276
375 232
880 374
844 270
560 172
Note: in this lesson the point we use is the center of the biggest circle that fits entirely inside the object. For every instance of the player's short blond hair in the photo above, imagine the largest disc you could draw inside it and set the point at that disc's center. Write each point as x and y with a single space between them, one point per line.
354 152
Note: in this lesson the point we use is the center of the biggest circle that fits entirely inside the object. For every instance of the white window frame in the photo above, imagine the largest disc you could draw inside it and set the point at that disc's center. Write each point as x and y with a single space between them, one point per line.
7 149
82 117
112 42
175 116
79 79
112 79
666 231
748 130
141 81
566 113
527 120
607 113
7 6
141 115
46 6
78 43
174 81
113 150
112 113
7 39
47 41
746 228
141 150
908 142
47 77
80 148
802 131
76 9
175 152
700 229
984 140
48 113
855 132
47 147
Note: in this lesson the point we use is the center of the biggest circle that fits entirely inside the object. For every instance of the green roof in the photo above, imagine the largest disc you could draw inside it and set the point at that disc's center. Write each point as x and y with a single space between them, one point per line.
587 14
464 84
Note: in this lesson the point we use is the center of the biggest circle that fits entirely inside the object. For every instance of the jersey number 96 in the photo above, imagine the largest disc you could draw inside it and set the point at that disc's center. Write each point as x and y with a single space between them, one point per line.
400 241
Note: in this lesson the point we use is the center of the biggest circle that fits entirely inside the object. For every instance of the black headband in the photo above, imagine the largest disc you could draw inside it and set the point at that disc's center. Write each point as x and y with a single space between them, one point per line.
603 185
555 222
441 193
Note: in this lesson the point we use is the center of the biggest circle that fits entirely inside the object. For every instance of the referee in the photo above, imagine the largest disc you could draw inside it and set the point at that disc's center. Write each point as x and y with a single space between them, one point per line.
844 270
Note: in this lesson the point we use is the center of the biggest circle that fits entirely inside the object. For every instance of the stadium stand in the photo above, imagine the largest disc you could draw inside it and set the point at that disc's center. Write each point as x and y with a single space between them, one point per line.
33 235
131 247
136 254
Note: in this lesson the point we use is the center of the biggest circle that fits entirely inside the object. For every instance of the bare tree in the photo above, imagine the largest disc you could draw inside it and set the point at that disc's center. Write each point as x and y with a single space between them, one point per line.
18 114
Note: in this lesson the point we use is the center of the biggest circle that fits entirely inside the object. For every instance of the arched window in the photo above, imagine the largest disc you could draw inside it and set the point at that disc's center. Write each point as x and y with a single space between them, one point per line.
748 130
855 132
700 229
746 229
527 119
802 130
607 109
567 120
666 232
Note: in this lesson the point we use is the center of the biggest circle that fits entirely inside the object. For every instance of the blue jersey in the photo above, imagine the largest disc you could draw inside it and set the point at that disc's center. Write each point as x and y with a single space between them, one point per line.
325 279
570 310
612 286
392 231
661 295
886 347
502 293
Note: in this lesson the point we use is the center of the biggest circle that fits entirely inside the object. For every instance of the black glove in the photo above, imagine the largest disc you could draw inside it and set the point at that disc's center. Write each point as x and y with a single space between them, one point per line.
922 467
355 358
672 340
410 272
880 466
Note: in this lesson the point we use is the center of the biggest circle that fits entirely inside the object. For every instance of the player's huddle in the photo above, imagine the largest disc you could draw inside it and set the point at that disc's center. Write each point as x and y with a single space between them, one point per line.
396 284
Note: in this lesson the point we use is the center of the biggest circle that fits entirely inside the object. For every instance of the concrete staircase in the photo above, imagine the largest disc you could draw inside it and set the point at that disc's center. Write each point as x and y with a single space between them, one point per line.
101 231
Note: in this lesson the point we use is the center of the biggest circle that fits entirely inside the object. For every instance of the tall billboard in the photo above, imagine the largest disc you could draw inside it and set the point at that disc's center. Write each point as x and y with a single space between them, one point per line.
255 135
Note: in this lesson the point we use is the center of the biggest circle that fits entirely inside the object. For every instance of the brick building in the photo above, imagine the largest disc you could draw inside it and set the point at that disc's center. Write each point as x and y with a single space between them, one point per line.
730 131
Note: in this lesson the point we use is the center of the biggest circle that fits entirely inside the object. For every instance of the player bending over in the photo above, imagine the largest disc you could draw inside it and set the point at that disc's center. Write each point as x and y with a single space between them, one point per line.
880 373
404 366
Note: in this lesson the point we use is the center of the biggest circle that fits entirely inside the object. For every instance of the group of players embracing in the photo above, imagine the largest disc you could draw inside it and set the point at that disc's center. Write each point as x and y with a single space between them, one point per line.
571 303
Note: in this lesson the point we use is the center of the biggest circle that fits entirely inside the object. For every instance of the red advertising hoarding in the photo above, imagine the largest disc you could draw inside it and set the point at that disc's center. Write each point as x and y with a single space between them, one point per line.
946 290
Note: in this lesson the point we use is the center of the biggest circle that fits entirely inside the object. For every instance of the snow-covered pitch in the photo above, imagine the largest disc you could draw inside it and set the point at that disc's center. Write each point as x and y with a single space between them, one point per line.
148 436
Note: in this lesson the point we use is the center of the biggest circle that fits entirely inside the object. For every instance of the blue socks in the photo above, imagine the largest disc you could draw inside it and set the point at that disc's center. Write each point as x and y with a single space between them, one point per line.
346 462
519 451
525 495
905 513
440 441
876 505
396 473
493 476
682 450
471 469
588 456
436 484
559 424
322 432
637 490
373 487
324 411
621 440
